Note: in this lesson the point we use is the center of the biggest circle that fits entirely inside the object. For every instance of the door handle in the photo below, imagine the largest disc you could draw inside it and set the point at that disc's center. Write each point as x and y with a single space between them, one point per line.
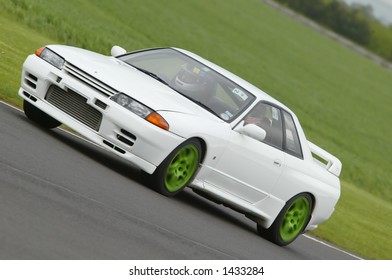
277 163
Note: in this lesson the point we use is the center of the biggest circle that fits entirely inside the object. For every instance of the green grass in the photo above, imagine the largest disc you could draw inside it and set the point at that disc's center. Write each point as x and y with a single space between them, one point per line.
361 223
15 43
341 98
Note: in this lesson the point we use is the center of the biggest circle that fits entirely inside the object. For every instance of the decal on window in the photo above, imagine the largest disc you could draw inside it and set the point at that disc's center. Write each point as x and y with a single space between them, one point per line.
230 115
240 93
275 113
225 117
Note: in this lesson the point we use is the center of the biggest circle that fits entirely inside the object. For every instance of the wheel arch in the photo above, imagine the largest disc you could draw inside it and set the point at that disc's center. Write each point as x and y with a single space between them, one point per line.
203 145
285 228
313 205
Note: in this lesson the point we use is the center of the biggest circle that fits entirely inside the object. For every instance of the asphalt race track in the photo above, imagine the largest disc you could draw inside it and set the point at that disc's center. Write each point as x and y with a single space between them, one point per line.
64 198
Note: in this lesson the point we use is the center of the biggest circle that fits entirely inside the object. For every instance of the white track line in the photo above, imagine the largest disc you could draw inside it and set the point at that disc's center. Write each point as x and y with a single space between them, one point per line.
331 246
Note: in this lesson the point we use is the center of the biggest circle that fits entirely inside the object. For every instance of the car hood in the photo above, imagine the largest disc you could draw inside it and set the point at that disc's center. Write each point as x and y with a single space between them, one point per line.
126 79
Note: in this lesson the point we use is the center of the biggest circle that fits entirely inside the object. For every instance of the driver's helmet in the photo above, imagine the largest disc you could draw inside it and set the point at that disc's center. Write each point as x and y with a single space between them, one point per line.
191 79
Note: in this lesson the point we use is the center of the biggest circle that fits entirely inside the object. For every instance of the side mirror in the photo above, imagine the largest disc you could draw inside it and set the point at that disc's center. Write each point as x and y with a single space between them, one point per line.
252 131
116 51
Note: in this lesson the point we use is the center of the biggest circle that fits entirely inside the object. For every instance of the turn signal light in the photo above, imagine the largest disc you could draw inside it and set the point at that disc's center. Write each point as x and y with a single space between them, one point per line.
39 51
158 120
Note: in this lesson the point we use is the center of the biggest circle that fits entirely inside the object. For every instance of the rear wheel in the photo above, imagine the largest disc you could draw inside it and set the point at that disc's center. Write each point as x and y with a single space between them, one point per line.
39 117
178 169
290 222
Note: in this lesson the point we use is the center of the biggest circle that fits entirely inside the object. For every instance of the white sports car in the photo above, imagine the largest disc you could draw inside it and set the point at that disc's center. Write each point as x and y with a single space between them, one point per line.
185 121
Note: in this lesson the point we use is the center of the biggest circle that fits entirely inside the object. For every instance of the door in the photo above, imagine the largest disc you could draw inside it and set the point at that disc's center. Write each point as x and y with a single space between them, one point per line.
249 168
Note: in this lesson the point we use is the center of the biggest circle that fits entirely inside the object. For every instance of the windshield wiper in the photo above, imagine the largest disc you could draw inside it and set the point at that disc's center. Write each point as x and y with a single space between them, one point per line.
151 74
204 106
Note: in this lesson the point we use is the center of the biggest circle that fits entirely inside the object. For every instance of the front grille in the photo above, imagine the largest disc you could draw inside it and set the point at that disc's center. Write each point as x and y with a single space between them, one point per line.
89 80
74 105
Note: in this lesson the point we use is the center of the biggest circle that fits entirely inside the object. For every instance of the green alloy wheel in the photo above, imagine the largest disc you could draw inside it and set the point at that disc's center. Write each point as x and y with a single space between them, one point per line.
294 219
290 222
175 172
181 168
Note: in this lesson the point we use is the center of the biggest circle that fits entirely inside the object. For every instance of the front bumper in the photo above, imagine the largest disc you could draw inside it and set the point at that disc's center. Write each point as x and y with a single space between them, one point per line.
78 100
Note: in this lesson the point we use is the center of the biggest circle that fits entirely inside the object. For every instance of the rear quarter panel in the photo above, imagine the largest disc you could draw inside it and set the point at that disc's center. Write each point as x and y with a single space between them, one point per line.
304 176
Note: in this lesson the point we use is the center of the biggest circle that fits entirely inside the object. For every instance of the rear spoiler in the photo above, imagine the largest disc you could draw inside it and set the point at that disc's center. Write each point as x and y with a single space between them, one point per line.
331 163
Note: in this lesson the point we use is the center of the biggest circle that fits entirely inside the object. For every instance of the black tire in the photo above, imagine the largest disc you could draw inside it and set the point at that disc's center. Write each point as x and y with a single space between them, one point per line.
177 170
39 117
290 222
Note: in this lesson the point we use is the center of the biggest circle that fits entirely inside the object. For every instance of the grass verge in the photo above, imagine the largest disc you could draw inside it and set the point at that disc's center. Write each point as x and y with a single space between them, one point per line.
361 223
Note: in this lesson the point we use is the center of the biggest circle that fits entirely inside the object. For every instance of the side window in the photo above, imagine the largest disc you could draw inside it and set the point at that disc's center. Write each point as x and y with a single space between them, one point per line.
292 144
268 118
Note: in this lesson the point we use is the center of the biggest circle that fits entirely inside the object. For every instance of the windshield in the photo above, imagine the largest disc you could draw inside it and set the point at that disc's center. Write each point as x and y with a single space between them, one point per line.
194 80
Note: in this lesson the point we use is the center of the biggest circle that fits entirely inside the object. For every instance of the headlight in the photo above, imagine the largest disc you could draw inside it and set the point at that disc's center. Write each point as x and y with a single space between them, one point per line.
132 105
50 57
140 110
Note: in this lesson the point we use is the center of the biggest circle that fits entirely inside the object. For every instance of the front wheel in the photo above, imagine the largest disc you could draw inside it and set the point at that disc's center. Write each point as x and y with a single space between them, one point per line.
290 222
178 169
39 117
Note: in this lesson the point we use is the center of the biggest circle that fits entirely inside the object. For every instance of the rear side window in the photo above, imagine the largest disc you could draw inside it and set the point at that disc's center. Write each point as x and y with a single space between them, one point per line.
292 144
